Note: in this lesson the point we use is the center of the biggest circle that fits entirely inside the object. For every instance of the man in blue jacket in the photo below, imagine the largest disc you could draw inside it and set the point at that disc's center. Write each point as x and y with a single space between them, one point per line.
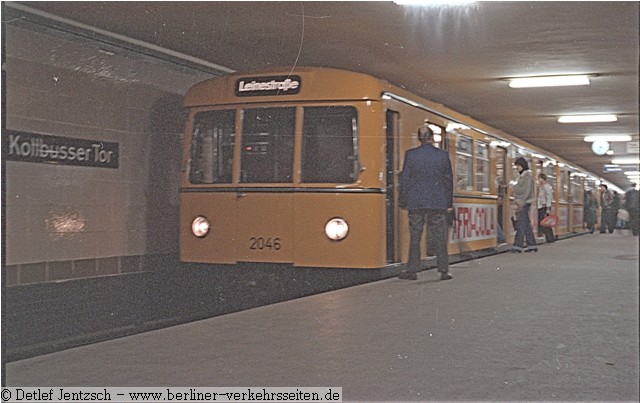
426 190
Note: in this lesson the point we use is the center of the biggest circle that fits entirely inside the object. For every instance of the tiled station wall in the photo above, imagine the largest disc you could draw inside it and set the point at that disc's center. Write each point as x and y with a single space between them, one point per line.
68 222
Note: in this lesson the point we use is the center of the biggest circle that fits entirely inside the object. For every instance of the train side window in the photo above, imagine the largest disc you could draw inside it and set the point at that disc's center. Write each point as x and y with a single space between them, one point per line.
564 185
577 189
267 145
329 145
212 147
482 167
464 163
549 169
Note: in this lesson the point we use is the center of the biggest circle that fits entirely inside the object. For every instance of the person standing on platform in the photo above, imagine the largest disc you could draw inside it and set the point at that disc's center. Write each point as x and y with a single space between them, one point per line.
502 240
615 208
590 211
545 203
524 196
632 205
426 191
606 213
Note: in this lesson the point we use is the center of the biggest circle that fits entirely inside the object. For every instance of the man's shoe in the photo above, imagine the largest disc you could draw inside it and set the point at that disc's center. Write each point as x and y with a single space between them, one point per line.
534 250
445 276
408 275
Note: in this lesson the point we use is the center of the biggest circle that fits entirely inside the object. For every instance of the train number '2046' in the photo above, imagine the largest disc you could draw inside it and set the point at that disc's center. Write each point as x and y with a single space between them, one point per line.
260 243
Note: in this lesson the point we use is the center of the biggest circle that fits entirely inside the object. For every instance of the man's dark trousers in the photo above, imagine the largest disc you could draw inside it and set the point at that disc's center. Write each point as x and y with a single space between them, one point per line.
607 219
436 221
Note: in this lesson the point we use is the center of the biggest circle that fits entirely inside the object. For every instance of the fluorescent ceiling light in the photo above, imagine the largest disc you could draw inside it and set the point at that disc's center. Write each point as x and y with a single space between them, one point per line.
634 173
591 139
434 3
626 161
548 81
587 118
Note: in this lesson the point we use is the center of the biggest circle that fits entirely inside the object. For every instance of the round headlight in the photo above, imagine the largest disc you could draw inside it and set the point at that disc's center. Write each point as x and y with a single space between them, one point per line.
336 229
200 226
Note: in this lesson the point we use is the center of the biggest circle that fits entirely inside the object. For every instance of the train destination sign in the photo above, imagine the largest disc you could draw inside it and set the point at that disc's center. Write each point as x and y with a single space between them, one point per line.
266 86
34 147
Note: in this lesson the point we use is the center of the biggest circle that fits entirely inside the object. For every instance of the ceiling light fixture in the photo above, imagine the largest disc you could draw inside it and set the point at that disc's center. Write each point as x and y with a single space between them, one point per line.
587 118
434 3
591 139
549 81
626 161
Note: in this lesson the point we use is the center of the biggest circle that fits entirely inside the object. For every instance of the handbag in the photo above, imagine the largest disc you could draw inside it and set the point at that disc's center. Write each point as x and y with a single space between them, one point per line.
549 221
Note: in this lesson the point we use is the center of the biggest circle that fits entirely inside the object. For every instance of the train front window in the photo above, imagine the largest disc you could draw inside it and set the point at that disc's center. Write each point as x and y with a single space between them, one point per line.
329 145
212 143
267 145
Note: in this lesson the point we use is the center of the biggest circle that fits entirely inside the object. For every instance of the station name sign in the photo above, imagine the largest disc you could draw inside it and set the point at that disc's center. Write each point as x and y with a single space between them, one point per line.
41 148
267 86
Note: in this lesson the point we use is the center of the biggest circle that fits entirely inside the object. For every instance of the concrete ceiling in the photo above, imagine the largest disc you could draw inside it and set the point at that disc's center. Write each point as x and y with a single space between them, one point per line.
457 56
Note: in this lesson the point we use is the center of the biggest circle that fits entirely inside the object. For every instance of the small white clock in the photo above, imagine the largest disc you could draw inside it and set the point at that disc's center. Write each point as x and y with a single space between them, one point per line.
600 147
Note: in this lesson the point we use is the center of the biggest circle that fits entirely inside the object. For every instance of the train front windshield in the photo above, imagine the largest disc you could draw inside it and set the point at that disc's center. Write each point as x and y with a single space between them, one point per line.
329 149
329 145
212 147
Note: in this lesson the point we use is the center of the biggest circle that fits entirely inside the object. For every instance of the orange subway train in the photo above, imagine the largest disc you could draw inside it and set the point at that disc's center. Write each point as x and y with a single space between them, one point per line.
301 167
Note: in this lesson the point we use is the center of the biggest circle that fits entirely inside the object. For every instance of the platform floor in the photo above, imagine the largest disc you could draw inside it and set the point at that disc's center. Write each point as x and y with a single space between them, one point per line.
560 324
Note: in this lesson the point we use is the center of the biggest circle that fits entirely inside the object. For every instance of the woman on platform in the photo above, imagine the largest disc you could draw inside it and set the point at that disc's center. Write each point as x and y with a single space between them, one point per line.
545 203
524 196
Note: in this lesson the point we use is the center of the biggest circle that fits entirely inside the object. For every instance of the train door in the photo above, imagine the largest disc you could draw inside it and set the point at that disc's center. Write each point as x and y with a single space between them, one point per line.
392 121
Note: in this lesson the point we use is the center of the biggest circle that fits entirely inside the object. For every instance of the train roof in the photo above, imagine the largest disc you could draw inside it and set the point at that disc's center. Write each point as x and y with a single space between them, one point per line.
314 83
